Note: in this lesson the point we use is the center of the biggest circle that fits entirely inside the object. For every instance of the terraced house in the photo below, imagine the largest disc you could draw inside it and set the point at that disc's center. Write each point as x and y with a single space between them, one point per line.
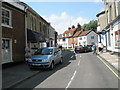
13 32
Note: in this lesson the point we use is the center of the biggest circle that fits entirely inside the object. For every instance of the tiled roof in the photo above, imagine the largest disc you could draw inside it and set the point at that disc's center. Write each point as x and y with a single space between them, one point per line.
84 33
78 33
70 31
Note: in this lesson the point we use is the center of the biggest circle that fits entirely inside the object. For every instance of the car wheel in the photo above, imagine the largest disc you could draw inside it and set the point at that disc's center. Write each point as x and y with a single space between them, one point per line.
61 60
52 66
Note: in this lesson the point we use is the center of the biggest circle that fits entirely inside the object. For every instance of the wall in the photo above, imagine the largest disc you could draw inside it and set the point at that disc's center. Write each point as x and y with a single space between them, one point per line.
102 21
89 40
16 33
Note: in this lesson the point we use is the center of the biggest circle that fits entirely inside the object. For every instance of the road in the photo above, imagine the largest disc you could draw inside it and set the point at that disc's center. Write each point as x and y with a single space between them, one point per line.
83 70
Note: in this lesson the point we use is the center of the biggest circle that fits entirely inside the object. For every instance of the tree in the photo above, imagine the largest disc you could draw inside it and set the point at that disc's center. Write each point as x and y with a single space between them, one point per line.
92 25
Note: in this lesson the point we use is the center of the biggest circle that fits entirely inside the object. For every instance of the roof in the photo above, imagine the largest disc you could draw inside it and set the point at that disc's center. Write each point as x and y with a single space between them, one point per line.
84 33
70 31
103 12
78 33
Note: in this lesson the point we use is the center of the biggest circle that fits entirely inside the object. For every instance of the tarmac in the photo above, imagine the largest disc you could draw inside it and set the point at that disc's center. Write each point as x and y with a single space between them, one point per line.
15 75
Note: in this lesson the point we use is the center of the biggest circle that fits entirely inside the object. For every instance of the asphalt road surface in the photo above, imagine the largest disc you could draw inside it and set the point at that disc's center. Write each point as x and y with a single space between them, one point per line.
83 70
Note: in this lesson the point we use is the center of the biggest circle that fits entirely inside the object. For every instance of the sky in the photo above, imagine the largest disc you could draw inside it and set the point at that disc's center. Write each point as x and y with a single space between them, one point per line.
62 15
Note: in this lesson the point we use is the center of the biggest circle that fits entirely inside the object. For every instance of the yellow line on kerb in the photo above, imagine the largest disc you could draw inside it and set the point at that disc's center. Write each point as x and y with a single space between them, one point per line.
109 68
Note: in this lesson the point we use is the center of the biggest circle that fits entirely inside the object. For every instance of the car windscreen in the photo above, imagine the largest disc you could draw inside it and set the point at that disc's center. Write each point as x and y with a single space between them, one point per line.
44 52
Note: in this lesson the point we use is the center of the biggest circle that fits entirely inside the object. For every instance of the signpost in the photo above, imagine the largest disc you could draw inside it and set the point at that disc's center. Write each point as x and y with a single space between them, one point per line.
104 33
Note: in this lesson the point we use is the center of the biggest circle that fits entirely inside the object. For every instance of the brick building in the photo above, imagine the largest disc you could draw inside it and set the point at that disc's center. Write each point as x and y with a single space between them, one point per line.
13 32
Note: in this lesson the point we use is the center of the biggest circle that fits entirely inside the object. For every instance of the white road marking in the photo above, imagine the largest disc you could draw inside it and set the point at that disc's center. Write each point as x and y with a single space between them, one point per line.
80 56
71 56
71 79
79 63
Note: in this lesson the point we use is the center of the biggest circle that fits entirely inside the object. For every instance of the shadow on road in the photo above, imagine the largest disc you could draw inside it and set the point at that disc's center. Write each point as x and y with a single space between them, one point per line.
45 73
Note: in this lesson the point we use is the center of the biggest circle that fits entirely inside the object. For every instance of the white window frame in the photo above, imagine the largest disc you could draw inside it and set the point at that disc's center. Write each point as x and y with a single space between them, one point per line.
10 18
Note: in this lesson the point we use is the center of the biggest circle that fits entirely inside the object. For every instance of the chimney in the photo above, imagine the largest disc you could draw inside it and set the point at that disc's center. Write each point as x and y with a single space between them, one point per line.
69 28
73 26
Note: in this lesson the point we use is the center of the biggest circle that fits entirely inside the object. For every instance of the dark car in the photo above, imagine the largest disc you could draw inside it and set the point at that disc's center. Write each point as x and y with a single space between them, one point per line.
87 48
79 49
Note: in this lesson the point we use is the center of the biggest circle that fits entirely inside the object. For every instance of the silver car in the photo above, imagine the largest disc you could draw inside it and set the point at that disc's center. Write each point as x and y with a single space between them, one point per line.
46 58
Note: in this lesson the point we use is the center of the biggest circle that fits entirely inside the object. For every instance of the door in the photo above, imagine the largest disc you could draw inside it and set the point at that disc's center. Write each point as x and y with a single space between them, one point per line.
6 51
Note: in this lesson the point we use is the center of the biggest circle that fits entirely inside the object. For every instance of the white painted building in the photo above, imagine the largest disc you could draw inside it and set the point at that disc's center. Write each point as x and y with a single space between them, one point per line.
113 35
87 38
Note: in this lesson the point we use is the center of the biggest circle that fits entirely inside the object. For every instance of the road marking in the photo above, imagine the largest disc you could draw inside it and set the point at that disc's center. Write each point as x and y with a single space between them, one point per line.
109 68
80 56
71 79
71 56
79 63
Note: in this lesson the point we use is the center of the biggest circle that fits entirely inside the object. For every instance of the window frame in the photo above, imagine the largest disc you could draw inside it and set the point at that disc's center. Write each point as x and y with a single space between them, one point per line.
10 18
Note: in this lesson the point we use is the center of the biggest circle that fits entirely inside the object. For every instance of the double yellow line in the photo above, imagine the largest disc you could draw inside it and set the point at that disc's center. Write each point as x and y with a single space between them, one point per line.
109 68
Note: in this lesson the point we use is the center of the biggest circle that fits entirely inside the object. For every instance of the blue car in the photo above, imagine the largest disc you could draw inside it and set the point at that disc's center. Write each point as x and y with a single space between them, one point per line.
45 58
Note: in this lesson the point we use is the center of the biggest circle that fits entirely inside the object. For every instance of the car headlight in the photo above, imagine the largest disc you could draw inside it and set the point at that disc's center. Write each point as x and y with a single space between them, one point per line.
45 60
29 60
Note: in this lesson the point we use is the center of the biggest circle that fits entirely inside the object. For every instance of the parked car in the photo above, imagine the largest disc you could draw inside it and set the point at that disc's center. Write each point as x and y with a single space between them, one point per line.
79 49
89 47
45 58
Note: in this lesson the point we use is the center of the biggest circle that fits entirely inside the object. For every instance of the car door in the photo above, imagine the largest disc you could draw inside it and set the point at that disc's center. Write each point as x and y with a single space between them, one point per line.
56 55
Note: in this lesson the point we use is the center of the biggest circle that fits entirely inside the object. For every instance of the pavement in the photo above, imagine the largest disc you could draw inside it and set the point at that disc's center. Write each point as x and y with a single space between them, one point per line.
112 59
14 75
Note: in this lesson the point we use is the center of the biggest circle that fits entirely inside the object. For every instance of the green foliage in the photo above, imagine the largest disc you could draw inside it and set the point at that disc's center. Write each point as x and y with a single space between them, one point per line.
92 25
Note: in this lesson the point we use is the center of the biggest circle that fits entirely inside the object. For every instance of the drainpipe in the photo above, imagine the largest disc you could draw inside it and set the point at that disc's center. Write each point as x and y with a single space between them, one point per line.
0 47
26 26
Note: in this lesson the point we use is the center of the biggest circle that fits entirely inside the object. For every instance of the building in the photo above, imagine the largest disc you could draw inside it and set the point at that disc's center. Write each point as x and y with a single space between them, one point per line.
76 37
87 38
111 31
68 36
13 32
51 36
0 35
37 30
101 25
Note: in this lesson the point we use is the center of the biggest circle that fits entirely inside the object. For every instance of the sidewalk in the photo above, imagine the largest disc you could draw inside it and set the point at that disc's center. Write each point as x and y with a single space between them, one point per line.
112 59
16 74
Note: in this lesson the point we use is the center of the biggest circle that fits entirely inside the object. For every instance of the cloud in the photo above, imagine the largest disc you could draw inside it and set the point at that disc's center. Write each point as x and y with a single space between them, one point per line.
63 21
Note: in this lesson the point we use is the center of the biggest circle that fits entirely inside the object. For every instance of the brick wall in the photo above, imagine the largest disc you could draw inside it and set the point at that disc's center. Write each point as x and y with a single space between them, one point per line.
17 32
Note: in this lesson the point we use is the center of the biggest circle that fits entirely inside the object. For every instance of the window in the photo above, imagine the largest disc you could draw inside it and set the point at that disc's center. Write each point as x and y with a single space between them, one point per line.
6 17
40 27
80 38
92 37
31 22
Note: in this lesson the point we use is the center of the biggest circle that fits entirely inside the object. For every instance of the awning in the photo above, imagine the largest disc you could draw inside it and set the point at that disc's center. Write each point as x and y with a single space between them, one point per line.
33 36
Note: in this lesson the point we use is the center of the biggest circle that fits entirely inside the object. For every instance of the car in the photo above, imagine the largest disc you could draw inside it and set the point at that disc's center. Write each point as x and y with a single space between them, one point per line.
79 49
45 58
89 48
